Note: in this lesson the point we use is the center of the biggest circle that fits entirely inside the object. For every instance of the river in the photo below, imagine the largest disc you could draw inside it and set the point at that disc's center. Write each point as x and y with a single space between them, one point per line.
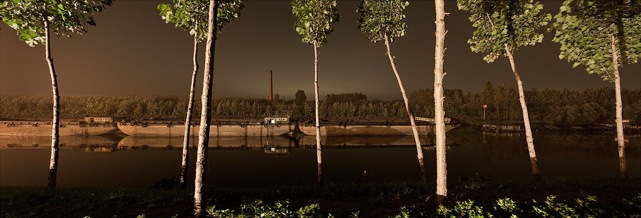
125 161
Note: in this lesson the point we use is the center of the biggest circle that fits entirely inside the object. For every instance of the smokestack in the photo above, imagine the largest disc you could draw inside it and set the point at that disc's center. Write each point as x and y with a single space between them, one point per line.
271 86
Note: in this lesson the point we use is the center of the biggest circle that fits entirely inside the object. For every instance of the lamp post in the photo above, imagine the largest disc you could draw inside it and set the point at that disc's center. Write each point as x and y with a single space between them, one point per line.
484 106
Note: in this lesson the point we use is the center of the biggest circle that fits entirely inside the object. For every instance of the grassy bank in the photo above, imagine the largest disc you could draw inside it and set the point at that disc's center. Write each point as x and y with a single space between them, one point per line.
605 197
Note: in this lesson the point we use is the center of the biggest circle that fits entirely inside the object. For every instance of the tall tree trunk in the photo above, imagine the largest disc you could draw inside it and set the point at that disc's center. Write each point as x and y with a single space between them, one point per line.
205 114
419 149
439 112
319 157
53 161
526 119
190 105
623 168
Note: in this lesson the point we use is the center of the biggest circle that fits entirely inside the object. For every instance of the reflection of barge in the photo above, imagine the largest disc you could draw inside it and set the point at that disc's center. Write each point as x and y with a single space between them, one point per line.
363 141
272 126
373 128
502 128
88 127
91 143
217 142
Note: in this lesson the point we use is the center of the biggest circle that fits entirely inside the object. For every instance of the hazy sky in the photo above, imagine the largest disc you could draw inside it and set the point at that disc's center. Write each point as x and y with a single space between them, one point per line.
132 51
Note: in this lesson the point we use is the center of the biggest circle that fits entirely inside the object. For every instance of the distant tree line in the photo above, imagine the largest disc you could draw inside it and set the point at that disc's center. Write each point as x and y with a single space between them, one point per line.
562 107
129 107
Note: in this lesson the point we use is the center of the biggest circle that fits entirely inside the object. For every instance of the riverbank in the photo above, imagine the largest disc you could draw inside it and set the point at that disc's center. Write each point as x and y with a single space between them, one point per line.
614 197
515 127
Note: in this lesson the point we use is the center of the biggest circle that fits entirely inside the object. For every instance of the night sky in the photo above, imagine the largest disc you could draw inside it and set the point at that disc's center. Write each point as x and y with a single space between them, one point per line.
132 51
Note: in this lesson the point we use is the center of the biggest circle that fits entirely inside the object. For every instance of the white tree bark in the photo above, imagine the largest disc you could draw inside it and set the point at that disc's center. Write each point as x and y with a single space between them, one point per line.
419 150
185 155
55 141
526 119
439 111
319 157
205 114
623 168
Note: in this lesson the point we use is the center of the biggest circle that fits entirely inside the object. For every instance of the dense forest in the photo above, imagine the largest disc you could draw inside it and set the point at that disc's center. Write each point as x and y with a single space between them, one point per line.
562 107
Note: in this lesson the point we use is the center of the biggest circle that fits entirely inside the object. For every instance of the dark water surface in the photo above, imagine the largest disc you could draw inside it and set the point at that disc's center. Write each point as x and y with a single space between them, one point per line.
117 161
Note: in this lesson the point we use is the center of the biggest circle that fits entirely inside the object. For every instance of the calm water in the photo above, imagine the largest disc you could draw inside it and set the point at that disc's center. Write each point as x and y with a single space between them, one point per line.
253 162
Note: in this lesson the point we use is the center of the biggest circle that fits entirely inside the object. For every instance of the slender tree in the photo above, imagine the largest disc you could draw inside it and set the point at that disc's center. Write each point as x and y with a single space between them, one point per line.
34 20
205 112
192 16
502 26
382 20
439 111
602 36
314 19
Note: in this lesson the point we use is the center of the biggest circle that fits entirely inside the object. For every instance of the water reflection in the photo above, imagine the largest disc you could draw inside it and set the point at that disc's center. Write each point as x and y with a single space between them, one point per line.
133 142
88 143
363 141
623 163
270 161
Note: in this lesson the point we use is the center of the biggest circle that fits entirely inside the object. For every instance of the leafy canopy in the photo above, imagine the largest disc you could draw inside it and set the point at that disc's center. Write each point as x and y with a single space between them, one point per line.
63 17
501 22
193 15
382 17
314 19
584 29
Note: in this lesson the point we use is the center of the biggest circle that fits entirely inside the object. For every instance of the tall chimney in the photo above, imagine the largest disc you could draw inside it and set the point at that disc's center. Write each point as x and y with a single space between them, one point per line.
271 86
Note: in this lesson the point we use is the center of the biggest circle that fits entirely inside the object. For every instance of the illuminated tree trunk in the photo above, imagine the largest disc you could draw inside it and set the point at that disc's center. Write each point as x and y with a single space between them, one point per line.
53 161
526 119
623 168
205 114
439 112
419 150
319 157
185 155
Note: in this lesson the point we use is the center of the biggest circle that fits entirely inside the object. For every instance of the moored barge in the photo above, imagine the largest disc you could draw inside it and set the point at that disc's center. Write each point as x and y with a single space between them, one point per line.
271 126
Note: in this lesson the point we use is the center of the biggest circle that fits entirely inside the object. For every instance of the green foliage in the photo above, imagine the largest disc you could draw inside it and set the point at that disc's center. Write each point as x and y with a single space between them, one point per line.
587 206
381 200
380 18
260 209
212 211
506 207
552 207
462 209
346 97
403 212
300 96
354 214
563 107
560 209
584 29
582 207
314 19
193 15
312 210
300 101
634 204
499 22
63 17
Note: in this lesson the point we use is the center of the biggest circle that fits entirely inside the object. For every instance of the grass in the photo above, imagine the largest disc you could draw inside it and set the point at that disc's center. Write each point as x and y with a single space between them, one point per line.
340 200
